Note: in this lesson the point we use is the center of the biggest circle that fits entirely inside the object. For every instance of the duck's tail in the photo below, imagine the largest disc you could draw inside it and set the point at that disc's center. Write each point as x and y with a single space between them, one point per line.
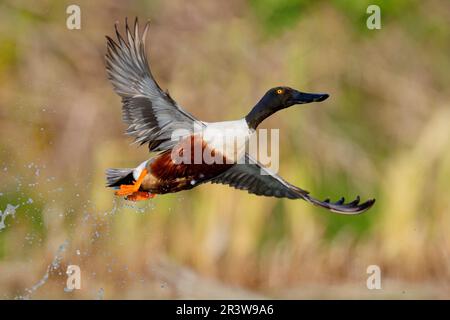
117 177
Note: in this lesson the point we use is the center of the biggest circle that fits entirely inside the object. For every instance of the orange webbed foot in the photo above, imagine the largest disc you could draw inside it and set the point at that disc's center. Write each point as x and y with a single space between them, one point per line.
140 195
126 189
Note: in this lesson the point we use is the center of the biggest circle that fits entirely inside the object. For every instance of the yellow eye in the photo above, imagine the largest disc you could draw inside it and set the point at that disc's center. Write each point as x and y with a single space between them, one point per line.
279 91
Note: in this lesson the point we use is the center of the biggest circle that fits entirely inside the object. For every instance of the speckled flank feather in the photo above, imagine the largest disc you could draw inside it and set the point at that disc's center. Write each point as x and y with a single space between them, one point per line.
166 176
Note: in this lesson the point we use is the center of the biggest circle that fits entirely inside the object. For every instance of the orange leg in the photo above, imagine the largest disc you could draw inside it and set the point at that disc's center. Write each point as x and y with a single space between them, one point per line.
140 195
126 189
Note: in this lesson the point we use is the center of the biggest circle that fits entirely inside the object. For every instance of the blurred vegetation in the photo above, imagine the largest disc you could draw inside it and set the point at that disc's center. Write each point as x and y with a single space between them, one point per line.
384 133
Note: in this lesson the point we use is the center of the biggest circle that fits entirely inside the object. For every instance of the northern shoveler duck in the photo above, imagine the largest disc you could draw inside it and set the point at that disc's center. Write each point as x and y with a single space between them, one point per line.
153 116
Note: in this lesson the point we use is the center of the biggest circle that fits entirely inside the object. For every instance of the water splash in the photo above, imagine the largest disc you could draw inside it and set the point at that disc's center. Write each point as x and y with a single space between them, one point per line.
54 265
9 211
100 294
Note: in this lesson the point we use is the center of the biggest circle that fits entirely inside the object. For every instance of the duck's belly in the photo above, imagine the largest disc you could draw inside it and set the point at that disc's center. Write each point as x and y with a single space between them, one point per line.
190 163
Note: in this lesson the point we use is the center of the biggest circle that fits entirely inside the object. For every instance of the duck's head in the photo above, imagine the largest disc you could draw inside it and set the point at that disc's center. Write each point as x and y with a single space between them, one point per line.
279 98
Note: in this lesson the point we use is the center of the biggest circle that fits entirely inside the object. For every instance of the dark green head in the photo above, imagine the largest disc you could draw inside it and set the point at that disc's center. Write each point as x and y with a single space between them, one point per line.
279 98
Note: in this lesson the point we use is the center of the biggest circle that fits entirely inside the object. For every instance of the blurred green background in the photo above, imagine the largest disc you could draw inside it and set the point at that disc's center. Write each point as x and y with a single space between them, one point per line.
384 133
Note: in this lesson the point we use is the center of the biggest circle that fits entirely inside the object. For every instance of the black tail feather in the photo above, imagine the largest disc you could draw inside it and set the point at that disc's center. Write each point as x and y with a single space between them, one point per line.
116 177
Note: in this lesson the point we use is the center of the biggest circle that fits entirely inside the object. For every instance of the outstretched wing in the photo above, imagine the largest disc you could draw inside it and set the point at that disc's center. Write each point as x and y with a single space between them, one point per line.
249 176
151 114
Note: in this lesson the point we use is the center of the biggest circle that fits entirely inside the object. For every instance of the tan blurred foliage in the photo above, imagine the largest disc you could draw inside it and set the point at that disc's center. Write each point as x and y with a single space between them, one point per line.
385 132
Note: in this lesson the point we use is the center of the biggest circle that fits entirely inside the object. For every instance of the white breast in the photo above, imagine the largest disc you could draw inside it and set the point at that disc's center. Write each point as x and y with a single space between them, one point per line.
228 137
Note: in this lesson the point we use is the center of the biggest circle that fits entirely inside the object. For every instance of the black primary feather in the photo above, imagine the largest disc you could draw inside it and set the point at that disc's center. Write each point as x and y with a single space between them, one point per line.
254 178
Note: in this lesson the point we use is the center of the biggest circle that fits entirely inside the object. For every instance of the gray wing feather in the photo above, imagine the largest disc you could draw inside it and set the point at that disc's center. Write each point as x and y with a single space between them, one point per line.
151 114
256 179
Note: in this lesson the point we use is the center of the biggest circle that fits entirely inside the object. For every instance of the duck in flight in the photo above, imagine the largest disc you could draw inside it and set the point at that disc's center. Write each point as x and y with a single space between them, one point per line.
153 116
